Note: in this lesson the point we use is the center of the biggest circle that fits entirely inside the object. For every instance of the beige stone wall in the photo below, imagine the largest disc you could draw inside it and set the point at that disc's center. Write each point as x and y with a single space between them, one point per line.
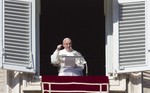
32 92
2 81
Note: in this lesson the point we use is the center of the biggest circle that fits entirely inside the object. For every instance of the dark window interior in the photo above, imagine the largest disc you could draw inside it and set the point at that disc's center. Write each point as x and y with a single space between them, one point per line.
81 20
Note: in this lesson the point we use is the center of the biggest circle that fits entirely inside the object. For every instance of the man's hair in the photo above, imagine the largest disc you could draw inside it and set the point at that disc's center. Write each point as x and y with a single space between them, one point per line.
66 39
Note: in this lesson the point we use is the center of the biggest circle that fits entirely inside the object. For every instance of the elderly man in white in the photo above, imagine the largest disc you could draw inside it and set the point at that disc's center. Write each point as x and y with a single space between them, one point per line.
59 58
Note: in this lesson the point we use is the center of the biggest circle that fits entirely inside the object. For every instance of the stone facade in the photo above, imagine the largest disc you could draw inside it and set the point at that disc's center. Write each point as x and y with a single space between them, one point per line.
14 82
2 81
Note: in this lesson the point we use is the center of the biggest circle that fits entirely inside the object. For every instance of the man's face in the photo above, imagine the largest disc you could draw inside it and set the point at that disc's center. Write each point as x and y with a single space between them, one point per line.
67 44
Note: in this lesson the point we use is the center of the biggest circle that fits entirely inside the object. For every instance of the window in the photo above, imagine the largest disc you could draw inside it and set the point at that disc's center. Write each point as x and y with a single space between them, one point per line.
82 21
18 35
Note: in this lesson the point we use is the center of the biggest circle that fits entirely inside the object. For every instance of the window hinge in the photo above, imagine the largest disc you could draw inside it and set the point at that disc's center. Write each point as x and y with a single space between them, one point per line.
121 68
3 51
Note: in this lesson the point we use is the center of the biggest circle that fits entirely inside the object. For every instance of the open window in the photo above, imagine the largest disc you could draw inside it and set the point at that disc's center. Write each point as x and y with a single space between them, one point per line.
18 35
81 20
131 35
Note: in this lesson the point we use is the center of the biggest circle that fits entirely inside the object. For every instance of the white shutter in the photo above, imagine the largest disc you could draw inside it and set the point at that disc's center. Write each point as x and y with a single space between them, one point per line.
18 35
131 35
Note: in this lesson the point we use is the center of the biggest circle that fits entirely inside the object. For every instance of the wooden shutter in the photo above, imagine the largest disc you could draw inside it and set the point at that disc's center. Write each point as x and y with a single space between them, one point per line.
130 28
18 33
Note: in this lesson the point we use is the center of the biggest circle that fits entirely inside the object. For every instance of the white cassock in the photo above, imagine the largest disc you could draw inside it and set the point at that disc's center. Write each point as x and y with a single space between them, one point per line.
58 59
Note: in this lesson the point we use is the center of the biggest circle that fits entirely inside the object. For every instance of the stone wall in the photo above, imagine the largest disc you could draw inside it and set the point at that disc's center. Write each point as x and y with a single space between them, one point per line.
2 81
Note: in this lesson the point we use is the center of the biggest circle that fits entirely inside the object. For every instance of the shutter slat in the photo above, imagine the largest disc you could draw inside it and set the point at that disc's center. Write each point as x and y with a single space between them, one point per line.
130 56
130 25
19 37
16 57
17 8
14 33
12 46
17 44
132 59
132 21
132 49
17 54
17 23
133 28
17 30
17 50
18 47
135 37
135 63
132 14
133 45
132 31
131 34
12 12
16 40
19 62
132 42
17 3
133 11
131 52
17 16
17 19
133 18
17 26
